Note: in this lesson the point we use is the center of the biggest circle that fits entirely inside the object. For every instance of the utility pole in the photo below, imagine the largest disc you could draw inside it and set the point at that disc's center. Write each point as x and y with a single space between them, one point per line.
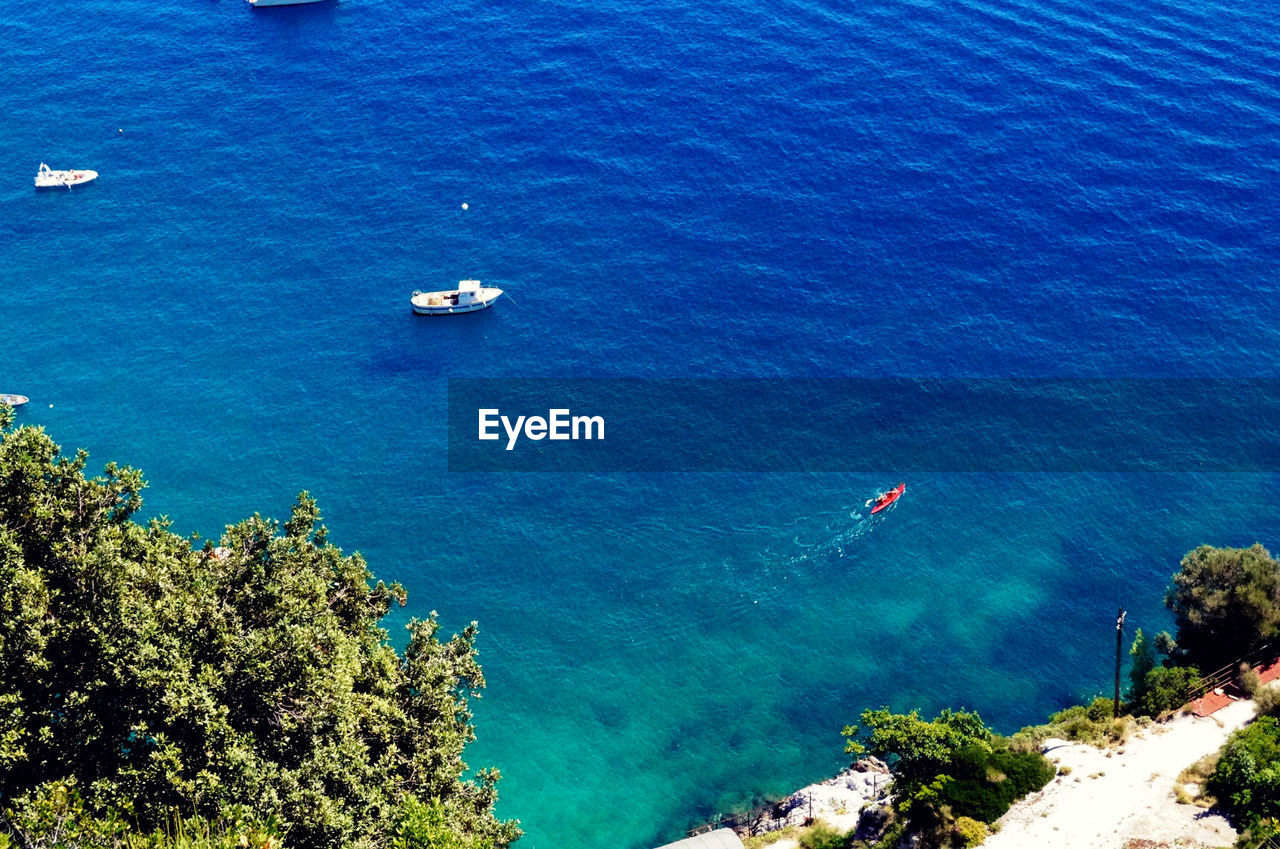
1119 639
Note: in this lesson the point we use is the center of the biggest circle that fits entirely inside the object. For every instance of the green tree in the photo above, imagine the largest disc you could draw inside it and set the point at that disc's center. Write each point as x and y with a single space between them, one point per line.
1144 659
1225 602
946 768
1157 687
1247 778
251 676
430 826
917 749
1165 689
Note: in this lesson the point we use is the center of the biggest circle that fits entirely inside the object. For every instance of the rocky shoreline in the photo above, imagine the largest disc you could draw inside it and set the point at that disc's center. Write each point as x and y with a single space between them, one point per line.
856 798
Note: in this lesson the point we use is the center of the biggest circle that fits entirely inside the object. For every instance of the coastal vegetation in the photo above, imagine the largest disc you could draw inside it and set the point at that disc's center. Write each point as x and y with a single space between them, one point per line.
167 692
954 778
1226 606
1093 724
1246 781
1158 686
952 775
1243 778
1225 602
156 691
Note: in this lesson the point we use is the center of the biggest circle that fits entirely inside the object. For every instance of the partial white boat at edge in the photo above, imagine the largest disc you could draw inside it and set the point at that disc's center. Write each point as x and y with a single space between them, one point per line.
468 297
47 178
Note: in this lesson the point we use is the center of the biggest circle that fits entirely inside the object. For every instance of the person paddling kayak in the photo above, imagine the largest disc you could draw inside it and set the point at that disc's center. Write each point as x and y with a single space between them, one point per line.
884 499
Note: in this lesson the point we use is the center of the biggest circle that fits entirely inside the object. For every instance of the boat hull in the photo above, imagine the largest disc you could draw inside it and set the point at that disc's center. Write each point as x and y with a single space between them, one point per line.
453 302
64 179
450 310
13 400
888 498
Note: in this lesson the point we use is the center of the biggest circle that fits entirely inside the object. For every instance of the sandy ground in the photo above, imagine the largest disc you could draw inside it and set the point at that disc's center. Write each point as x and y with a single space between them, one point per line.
1109 798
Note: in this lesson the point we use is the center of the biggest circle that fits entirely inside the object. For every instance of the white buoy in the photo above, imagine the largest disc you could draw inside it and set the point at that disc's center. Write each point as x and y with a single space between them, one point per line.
464 206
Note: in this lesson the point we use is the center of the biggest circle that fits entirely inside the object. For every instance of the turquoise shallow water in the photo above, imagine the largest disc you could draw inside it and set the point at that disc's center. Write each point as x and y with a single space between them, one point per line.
774 190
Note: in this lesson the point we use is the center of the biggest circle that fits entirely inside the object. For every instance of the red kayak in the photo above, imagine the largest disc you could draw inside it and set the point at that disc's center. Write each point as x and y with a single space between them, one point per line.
884 499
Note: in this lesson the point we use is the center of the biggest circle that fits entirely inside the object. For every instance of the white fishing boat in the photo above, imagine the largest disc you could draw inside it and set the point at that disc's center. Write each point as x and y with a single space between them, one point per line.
281 2
468 297
47 178
11 400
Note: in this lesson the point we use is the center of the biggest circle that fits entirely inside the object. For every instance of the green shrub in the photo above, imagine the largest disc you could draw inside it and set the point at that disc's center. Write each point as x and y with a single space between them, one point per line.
1247 777
1267 702
1075 724
1026 772
984 784
1101 709
1080 724
892 837
1029 739
758 841
970 832
1165 689
823 836
1249 680
1261 835
429 825
54 817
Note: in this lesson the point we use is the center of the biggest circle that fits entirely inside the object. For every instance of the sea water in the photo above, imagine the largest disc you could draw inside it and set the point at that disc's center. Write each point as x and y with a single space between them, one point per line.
776 190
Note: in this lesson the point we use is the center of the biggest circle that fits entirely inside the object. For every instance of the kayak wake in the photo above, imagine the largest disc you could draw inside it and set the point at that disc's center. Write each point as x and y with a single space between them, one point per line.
836 546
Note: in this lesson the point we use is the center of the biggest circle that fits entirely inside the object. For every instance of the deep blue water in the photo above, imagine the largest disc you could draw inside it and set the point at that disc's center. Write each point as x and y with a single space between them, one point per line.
1008 188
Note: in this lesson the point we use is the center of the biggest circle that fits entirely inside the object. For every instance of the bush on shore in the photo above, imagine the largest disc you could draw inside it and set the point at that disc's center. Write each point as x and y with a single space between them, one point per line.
1245 780
948 770
1092 724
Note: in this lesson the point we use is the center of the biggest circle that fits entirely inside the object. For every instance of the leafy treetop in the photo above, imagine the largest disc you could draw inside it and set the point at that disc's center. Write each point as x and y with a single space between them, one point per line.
917 749
250 677
1225 601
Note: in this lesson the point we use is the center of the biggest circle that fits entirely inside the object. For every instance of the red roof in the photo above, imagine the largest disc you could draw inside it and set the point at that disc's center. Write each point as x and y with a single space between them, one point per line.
1212 702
